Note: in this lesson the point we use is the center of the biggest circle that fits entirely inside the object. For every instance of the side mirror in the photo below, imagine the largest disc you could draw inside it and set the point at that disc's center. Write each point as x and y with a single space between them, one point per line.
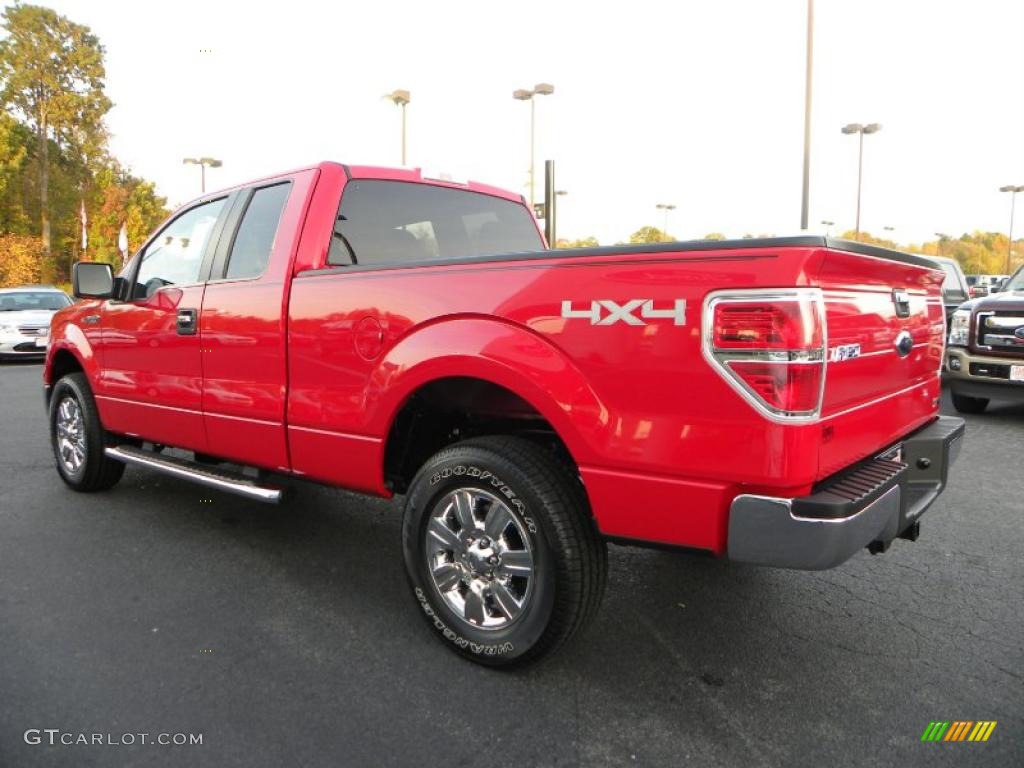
92 280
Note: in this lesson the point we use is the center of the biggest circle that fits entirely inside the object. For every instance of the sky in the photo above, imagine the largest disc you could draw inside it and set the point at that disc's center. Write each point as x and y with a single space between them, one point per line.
695 104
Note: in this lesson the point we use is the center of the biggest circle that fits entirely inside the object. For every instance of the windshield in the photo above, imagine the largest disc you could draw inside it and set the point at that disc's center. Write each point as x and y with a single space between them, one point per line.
19 301
1016 282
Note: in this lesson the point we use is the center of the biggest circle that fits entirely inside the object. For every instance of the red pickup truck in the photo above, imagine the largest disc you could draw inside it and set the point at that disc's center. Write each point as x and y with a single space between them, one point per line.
771 401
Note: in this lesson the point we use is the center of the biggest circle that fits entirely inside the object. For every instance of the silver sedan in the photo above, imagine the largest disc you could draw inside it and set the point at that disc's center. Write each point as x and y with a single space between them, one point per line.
25 315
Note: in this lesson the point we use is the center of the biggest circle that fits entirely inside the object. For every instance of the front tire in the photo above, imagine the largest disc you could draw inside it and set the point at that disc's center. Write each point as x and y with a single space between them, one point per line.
78 437
501 551
964 404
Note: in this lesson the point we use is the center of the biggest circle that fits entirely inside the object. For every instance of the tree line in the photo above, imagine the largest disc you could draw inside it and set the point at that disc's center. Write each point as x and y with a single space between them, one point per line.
55 162
55 159
979 253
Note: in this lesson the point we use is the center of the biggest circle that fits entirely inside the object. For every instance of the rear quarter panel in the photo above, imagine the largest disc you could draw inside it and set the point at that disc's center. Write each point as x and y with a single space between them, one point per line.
630 401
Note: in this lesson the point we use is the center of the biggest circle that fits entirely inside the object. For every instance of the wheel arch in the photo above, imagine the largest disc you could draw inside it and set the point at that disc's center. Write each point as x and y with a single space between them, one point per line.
59 364
494 372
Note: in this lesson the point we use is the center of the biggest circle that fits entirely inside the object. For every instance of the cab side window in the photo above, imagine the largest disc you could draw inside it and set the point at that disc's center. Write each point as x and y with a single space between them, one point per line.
175 256
254 241
250 252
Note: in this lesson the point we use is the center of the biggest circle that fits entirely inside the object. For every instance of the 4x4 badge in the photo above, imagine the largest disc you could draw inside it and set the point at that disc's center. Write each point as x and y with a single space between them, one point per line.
623 312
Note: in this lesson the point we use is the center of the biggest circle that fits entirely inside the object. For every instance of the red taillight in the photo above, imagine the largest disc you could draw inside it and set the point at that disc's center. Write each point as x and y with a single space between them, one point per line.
770 346
789 387
783 325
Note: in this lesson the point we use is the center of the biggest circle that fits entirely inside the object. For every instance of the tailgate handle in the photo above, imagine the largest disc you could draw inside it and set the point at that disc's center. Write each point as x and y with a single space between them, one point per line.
901 301
186 322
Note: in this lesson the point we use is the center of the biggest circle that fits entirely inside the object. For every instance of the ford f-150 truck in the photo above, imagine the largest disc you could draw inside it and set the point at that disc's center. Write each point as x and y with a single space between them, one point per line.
770 401
985 359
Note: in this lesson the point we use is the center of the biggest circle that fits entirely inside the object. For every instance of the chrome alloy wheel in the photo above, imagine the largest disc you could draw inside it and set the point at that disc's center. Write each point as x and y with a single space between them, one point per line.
70 435
480 558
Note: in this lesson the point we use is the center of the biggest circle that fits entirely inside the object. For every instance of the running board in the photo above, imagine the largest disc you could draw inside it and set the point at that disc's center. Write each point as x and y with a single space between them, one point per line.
232 482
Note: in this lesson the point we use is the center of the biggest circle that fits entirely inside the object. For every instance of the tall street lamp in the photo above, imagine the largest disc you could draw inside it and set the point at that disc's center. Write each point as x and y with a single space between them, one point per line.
828 224
1013 190
805 200
860 130
203 163
666 207
540 89
400 99
943 237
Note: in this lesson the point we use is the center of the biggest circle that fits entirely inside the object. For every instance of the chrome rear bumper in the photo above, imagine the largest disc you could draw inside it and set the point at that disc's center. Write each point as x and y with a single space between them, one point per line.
868 505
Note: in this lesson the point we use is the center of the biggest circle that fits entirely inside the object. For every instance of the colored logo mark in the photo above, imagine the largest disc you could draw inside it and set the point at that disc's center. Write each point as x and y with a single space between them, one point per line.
958 730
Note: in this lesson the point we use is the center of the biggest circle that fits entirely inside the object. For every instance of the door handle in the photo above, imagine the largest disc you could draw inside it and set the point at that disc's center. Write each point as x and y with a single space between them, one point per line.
187 322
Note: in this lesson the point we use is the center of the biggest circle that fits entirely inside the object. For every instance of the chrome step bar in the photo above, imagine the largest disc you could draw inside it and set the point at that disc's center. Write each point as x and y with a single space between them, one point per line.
231 482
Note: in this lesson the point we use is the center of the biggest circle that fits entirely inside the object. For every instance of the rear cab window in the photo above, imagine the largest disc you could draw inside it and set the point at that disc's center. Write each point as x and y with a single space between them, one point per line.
395 222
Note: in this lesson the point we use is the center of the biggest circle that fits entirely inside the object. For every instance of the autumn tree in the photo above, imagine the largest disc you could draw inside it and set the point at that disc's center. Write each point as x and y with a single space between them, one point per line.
585 242
14 139
979 253
21 263
52 72
650 234
121 199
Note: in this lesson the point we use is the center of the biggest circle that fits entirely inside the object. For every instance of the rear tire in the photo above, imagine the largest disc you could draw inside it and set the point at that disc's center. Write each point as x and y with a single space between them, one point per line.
501 551
78 437
965 404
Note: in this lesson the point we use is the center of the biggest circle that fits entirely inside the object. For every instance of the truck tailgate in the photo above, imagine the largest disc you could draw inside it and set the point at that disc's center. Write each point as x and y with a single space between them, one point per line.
886 328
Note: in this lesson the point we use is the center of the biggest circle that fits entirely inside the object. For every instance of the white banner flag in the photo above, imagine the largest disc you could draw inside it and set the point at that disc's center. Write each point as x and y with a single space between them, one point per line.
85 222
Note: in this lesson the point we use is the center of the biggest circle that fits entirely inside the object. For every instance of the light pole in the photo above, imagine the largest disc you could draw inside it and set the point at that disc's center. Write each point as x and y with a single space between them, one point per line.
666 207
828 224
805 200
860 130
943 237
890 230
1013 190
540 89
554 214
401 99
203 163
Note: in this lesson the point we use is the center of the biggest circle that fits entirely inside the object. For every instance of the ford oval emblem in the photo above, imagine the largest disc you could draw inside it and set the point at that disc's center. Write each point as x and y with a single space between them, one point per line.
1019 333
904 343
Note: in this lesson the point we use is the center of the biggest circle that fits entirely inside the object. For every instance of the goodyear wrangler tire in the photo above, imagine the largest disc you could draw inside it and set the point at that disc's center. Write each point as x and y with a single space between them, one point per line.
501 552
78 437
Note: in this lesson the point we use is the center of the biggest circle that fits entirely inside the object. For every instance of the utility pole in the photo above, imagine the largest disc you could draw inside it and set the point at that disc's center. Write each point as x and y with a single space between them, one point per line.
860 130
1013 190
806 199
203 163
521 94
665 208
401 99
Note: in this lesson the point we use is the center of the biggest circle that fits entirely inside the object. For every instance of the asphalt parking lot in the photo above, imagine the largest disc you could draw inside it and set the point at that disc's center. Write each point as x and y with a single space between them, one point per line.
286 636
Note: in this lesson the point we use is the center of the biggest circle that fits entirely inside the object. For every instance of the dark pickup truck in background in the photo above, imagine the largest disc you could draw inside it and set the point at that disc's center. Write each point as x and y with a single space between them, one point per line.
985 352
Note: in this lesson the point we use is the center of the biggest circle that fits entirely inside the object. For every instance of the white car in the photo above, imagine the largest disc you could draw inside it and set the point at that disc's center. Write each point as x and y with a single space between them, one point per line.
25 315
